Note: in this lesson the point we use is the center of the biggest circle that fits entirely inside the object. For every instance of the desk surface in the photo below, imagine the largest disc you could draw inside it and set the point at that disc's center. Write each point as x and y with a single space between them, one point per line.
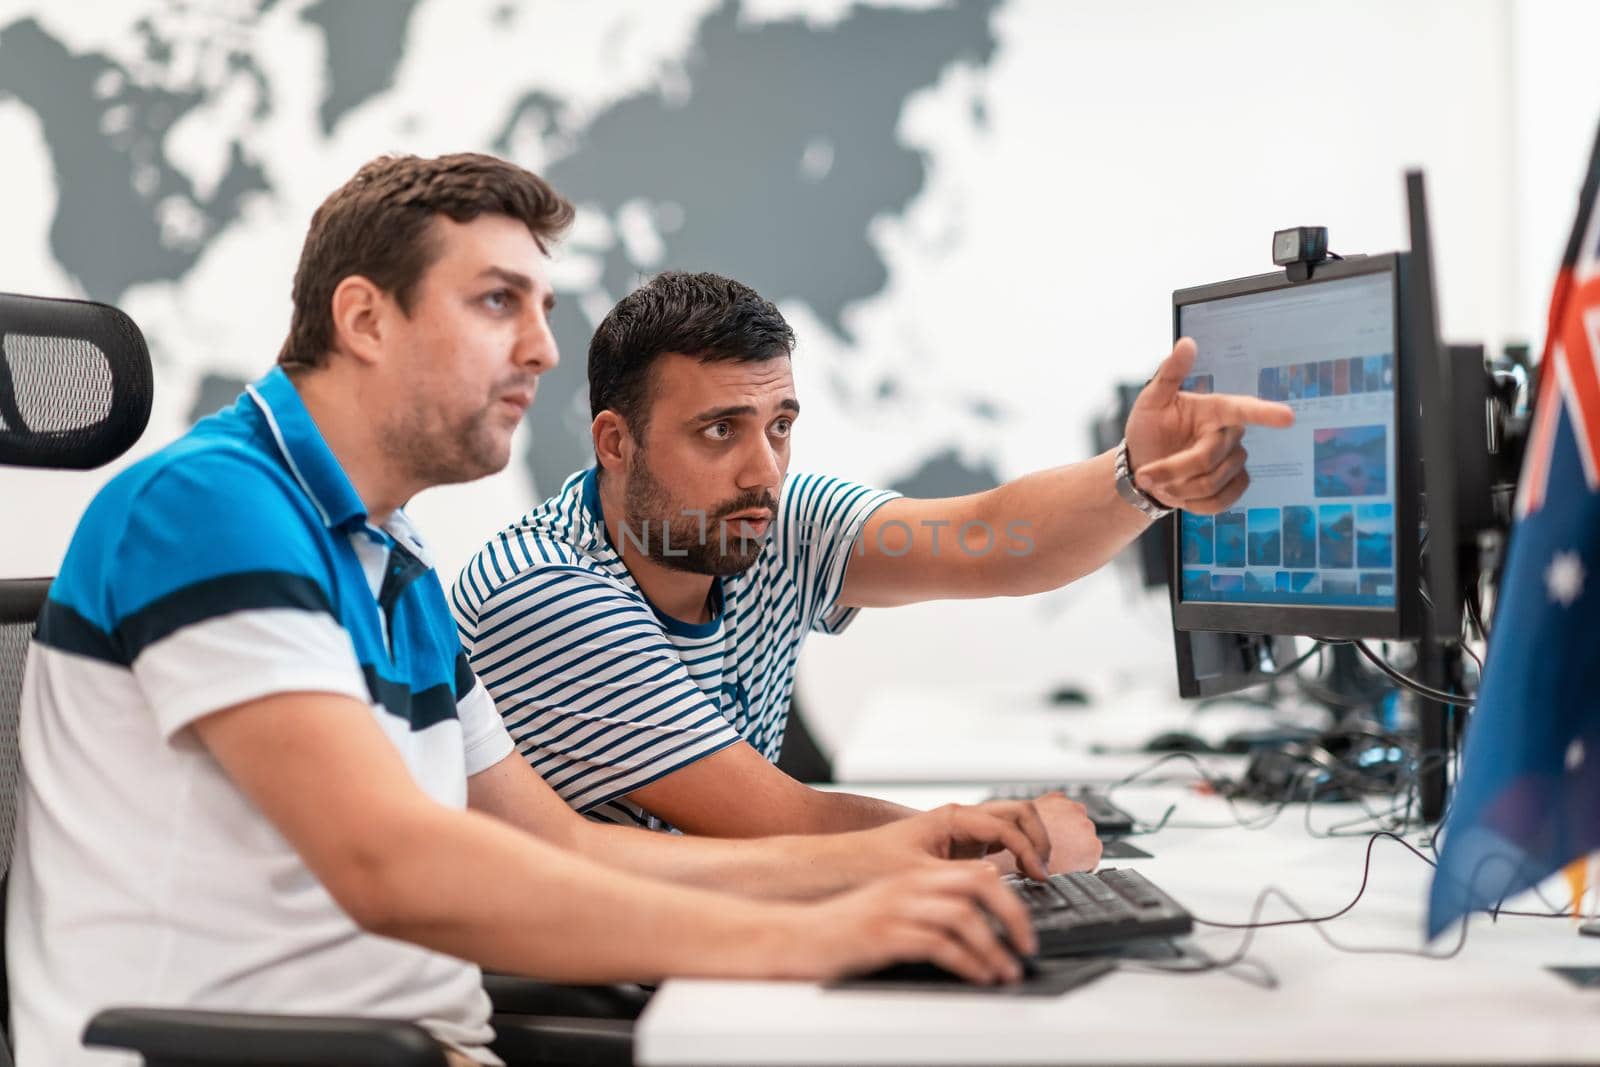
912 734
1494 1002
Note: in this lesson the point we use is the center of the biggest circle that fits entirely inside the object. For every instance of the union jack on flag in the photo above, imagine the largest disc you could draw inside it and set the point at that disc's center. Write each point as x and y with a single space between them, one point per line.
1569 373
1527 802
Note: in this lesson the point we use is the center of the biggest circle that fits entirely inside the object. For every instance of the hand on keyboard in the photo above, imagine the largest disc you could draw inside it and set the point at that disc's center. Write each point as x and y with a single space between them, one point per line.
957 916
1073 844
969 832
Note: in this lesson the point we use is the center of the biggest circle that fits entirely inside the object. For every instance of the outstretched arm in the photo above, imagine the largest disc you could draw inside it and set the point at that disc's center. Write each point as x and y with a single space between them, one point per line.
1046 529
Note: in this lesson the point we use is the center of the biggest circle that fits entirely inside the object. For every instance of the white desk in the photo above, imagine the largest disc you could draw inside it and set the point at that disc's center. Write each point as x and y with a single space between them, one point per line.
912 734
1493 1003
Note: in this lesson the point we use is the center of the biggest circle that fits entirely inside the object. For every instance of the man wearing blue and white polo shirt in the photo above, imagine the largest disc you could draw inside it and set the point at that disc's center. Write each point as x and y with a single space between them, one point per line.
258 773
639 630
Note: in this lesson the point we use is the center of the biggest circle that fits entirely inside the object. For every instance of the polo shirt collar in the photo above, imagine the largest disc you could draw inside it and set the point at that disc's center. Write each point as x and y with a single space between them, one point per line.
306 453
400 528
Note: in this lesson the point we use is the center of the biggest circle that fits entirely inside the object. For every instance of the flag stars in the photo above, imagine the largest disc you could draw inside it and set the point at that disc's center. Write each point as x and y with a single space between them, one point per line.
1564 578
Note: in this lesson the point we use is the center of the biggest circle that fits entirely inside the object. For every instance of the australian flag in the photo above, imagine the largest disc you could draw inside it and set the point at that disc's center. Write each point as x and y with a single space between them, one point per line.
1527 802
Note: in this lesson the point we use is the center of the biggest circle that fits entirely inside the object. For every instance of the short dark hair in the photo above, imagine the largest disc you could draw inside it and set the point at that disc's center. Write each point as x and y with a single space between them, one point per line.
702 315
379 224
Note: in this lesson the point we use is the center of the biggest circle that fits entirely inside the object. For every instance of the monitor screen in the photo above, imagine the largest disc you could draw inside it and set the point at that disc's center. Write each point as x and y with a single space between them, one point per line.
1316 527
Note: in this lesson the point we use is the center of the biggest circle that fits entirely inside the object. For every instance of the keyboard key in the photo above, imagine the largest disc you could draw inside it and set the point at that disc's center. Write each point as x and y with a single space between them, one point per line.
1079 912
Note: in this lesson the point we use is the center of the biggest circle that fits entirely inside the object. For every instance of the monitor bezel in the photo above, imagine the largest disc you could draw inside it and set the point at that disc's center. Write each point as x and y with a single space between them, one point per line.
1392 623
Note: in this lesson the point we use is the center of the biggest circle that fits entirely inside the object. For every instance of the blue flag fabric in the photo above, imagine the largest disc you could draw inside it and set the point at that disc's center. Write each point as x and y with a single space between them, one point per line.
1527 801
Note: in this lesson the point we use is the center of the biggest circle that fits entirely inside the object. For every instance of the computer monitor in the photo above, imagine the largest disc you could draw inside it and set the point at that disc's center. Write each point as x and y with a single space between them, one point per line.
1436 392
1323 543
1328 483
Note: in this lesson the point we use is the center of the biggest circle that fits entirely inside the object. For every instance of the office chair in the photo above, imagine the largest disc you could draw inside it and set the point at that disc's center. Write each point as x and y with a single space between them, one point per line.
799 756
75 393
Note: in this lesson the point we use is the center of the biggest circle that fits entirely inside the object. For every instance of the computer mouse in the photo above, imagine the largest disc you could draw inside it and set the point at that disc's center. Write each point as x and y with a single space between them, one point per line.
933 974
1177 741
1068 695
1290 773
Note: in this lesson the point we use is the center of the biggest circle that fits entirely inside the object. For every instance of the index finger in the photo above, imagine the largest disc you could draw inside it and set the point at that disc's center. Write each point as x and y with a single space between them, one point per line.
1029 820
995 830
1170 376
1005 905
1231 409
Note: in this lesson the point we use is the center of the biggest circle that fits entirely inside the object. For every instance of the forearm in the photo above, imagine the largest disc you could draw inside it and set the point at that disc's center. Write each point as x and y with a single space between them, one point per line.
1054 527
737 793
793 867
830 812
477 889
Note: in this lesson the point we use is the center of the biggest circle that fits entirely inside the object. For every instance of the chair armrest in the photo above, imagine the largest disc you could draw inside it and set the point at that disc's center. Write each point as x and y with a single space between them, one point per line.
240 1039
512 995
557 1041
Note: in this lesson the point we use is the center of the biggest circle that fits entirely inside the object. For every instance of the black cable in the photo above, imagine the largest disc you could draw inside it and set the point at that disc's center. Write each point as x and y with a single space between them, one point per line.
1267 677
1437 695
1475 613
1296 663
1159 823
1366 871
1301 787
1254 924
1133 776
1219 786
1269 815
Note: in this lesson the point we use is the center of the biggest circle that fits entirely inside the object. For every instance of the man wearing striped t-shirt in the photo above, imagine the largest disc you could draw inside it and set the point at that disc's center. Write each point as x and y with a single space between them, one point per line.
639 630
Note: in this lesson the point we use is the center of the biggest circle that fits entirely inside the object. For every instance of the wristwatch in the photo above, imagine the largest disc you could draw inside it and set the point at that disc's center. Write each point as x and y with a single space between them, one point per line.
1132 493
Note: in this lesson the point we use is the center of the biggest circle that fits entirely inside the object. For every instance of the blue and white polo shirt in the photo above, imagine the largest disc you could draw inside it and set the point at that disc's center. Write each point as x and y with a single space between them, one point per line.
605 694
235 563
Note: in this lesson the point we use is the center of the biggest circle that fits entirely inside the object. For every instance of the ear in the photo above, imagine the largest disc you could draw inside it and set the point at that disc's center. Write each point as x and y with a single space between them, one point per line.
613 443
360 313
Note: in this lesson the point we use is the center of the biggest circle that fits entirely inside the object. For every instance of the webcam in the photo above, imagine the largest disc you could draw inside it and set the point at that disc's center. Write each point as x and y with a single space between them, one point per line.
1300 244
1299 249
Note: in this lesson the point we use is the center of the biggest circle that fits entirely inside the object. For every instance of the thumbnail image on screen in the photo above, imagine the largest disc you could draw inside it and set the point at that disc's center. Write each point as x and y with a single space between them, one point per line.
1316 527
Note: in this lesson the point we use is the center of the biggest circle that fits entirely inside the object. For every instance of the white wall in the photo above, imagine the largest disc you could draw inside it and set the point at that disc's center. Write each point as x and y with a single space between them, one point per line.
1133 148
1177 137
1557 107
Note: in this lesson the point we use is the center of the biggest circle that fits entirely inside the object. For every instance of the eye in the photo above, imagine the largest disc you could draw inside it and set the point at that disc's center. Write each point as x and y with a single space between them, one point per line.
782 427
719 431
499 300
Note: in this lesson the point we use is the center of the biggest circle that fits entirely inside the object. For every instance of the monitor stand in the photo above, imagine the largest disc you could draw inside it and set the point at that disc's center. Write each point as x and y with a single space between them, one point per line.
1439 665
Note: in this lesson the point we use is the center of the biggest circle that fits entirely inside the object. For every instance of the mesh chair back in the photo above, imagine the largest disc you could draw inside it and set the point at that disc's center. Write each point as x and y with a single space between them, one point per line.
20 601
75 383
75 393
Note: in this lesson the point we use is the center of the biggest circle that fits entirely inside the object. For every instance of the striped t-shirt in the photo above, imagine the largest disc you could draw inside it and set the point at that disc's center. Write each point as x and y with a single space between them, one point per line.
603 693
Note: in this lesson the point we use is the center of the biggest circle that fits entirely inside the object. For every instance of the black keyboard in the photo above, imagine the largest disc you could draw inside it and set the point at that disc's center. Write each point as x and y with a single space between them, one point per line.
1109 820
1079 912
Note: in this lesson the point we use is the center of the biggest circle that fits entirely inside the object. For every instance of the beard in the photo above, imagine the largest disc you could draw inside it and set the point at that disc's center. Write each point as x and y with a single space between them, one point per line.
435 450
657 525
